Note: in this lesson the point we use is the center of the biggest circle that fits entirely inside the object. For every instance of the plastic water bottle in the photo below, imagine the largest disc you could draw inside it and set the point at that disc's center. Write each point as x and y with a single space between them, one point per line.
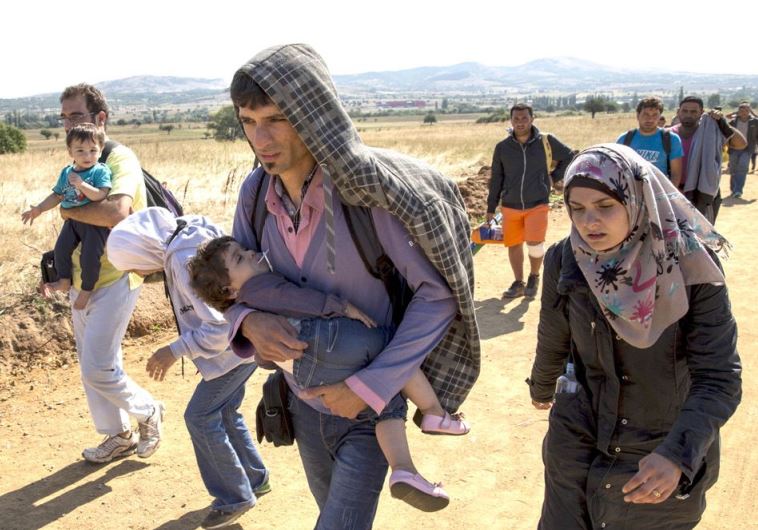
491 231
497 232
567 383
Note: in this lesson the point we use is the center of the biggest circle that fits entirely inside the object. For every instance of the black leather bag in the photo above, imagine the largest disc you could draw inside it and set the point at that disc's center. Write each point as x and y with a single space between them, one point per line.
47 267
272 417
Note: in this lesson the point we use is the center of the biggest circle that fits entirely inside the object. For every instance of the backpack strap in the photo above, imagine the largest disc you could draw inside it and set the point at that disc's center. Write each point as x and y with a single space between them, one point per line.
107 148
550 162
629 135
666 141
360 223
180 225
259 210
548 155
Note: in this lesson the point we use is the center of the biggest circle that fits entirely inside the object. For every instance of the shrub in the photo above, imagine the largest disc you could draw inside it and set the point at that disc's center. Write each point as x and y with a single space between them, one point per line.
12 140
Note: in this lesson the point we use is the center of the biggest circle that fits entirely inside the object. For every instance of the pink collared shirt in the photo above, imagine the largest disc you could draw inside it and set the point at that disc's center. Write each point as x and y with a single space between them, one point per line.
312 207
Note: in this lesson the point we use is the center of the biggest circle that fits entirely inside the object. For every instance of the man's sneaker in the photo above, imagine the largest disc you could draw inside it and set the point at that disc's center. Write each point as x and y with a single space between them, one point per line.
150 432
219 519
263 489
532 283
111 447
515 290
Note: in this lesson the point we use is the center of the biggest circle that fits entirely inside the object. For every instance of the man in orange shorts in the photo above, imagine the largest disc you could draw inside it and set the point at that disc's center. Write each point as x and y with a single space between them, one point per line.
524 166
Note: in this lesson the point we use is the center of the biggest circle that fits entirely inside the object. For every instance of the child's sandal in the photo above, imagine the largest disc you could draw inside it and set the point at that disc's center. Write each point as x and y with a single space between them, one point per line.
417 491
451 424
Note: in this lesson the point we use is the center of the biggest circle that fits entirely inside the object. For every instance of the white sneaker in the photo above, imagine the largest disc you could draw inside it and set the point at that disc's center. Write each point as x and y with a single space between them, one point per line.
111 447
150 432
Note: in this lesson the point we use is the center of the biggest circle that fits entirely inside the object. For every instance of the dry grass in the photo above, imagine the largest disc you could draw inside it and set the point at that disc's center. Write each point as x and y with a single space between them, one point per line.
206 174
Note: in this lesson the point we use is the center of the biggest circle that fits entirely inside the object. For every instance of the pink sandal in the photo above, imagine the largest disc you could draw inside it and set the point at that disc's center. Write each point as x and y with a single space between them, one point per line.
452 424
417 491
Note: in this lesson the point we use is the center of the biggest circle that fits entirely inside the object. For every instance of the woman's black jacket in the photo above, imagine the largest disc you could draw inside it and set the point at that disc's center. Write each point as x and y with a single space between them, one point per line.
673 396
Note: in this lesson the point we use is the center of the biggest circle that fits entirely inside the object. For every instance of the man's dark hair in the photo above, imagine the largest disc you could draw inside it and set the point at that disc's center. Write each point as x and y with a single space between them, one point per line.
692 99
209 276
85 132
94 99
650 103
522 106
247 93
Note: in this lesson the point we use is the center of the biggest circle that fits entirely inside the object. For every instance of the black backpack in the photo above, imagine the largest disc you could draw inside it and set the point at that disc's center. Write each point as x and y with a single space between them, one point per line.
156 195
363 232
665 139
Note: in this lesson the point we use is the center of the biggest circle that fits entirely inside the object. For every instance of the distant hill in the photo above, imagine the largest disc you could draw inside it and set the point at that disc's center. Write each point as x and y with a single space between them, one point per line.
561 74
152 84
140 91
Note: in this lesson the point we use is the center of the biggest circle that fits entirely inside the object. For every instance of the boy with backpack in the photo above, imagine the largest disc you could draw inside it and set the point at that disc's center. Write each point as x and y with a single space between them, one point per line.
661 147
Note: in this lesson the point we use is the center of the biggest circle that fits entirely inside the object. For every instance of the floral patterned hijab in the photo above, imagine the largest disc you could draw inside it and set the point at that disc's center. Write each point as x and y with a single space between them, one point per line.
640 283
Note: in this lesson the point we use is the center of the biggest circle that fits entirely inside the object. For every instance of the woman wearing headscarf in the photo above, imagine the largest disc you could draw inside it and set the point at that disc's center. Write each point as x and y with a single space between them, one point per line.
634 304
152 240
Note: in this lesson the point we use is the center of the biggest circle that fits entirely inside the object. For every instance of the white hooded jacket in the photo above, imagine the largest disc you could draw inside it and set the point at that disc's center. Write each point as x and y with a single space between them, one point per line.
139 243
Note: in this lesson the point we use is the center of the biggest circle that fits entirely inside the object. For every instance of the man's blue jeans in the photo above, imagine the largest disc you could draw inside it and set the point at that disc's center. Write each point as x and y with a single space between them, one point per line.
738 166
343 463
229 463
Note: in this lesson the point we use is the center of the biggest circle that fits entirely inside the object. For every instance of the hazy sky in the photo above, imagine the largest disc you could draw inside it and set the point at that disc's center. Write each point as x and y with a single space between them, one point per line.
49 44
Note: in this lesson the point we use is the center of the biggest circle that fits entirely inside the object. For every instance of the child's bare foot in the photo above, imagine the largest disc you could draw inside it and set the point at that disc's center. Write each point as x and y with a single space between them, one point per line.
82 299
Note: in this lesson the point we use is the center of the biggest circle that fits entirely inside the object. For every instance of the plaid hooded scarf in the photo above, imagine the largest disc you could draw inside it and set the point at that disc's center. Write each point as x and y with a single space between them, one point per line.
428 204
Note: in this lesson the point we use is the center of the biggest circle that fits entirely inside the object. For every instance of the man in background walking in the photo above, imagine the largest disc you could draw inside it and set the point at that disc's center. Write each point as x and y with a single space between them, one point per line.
703 137
658 146
524 167
739 159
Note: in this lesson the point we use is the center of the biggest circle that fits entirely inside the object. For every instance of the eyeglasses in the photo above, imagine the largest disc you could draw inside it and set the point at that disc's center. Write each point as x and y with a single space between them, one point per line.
76 118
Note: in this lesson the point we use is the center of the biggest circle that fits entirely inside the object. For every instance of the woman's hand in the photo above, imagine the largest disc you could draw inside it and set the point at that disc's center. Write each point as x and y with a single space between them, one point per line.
656 480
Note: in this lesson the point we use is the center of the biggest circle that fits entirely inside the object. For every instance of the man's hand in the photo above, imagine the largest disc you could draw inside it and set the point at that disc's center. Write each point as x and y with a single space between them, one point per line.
715 114
338 398
159 363
540 405
490 217
273 337
656 480
30 215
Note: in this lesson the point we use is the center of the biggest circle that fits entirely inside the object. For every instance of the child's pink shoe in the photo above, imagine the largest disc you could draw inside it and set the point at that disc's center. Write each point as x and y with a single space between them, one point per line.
417 491
452 424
